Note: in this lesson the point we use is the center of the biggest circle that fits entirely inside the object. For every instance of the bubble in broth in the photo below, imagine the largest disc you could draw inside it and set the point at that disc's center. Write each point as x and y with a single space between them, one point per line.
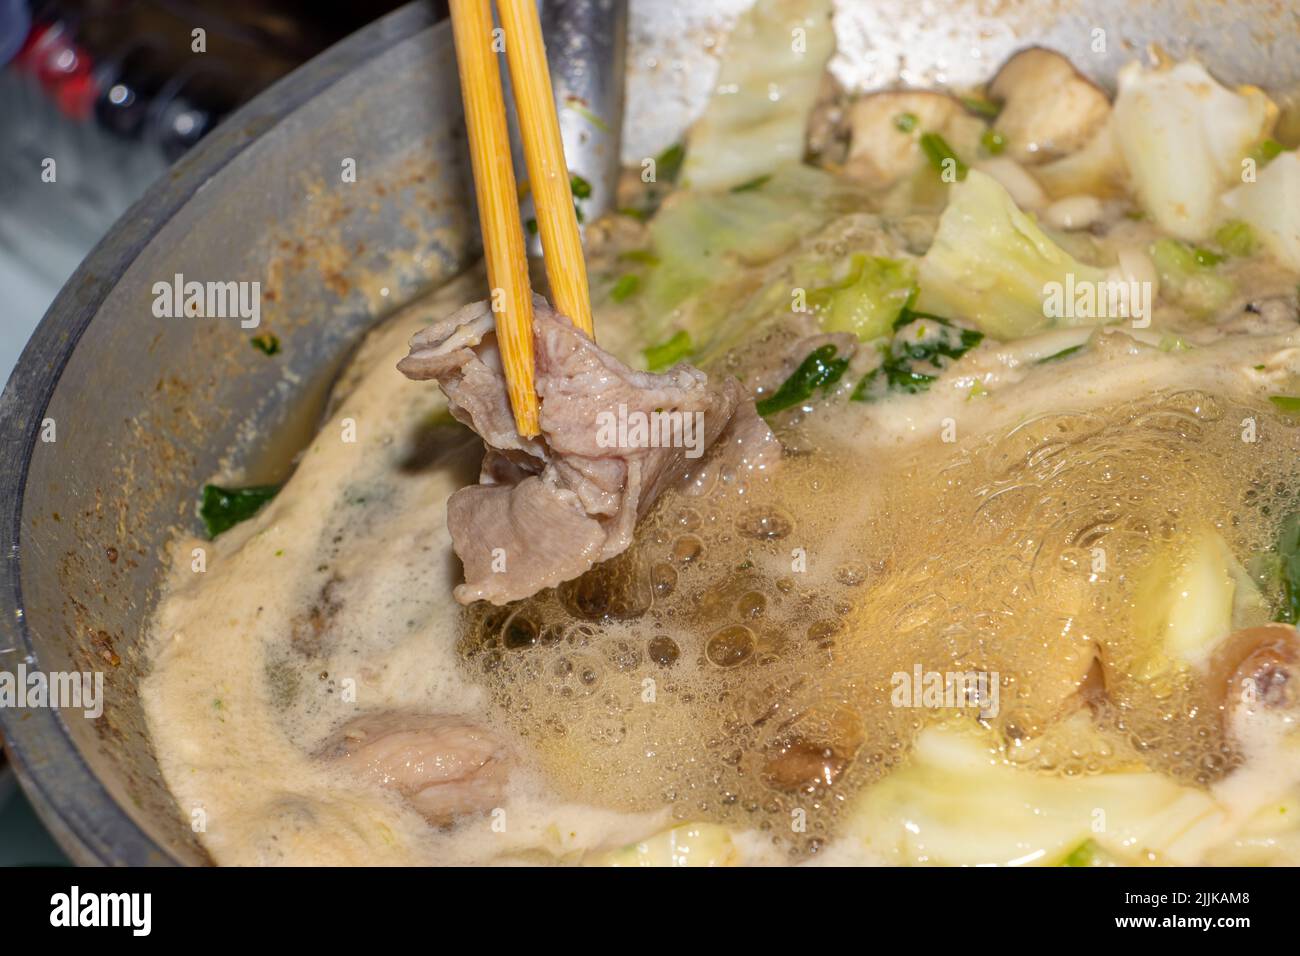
712 669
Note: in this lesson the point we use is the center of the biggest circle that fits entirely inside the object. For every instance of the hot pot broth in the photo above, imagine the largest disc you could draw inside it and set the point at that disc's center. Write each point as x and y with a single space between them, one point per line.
1013 556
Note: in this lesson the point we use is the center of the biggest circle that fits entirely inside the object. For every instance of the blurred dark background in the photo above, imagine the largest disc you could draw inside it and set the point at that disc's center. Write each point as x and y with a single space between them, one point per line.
115 91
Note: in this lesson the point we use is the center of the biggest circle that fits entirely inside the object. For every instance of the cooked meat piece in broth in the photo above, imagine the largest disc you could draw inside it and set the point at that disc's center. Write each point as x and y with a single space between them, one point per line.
443 766
613 439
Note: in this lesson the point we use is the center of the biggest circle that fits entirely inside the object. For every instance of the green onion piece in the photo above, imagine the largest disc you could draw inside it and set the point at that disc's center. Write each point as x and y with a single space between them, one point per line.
1087 853
531 226
669 163
667 354
938 151
1206 257
905 122
625 287
755 183
1288 550
981 107
223 508
577 107
1268 150
994 143
1290 404
818 372
1235 238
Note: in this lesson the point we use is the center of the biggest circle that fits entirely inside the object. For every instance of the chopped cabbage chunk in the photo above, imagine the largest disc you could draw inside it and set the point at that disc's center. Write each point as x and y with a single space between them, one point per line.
957 803
991 265
704 241
771 73
691 844
1193 595
1183 136
1271 206
867 300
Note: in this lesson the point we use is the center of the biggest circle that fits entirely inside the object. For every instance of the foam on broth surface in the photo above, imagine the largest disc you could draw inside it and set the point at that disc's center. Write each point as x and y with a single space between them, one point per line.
711 670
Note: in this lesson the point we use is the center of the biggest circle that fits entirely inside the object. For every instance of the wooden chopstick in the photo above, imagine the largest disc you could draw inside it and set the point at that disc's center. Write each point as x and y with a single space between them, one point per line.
498 204
548 173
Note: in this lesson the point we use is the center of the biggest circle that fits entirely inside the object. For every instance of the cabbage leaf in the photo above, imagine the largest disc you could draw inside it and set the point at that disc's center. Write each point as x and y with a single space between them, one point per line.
769 80
991 265
957 803
1271 206
1183 136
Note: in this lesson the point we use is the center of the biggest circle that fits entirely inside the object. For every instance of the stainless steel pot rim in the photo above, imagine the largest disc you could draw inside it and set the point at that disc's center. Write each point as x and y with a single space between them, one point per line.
99 829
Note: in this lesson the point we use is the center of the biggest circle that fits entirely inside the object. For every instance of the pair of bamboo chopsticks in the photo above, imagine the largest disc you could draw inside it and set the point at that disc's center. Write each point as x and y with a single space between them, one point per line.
497 195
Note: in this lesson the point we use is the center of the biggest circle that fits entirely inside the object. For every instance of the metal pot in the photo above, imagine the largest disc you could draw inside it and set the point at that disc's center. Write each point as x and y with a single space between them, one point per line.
115 417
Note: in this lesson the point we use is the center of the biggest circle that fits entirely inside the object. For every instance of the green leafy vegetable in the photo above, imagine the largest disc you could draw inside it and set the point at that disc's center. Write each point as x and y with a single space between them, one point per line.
994 143
1189 279
223 508
981 107
667 354
940 155
756 183
580 188
625 287
905 122
1236 238
266 343
868 300
1206 257
1288 403
572 103
668 164
818 372
1268 150
922 346
1288 550
1088 853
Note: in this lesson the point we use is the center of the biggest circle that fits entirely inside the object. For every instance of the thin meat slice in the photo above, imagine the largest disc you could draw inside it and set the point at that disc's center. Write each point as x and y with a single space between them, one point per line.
612 440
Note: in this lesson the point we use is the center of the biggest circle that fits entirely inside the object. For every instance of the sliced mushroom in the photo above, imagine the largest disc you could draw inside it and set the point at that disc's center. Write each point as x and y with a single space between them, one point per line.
814 751
1023 188
442 765
886 128
1049 109
1256 667
827 135
1095 170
